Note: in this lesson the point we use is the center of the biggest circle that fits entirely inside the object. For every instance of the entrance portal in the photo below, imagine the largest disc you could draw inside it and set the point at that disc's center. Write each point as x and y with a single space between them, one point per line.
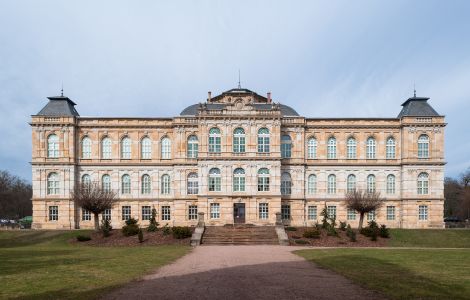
239 213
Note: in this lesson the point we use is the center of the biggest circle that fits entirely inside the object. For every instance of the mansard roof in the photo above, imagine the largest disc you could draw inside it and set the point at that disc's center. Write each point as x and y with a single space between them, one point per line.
59 106
417 107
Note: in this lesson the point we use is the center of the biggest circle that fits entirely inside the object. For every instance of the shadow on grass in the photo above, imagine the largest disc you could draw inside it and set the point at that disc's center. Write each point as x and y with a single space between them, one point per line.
69 294
34 237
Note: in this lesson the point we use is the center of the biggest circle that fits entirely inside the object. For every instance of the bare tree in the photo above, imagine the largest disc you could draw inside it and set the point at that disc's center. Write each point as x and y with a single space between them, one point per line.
363 202
92 197
15 196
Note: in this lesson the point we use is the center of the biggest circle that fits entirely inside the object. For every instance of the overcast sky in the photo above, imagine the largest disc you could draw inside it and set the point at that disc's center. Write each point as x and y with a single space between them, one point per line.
154 58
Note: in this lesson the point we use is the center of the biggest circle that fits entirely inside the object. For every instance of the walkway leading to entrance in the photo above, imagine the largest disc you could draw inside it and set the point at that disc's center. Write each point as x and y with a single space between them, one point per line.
242 272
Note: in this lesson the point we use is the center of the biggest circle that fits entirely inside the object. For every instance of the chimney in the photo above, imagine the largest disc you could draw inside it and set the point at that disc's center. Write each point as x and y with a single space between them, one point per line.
269 97
208 96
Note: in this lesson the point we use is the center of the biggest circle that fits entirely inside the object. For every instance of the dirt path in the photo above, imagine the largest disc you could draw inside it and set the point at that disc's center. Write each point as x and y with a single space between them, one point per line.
242 272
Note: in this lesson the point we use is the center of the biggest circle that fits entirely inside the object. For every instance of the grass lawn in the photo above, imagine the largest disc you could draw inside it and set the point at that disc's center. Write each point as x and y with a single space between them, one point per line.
439 238
42 264
401 274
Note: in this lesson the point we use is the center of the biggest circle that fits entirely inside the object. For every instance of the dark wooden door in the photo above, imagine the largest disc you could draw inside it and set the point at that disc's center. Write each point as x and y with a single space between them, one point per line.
239 213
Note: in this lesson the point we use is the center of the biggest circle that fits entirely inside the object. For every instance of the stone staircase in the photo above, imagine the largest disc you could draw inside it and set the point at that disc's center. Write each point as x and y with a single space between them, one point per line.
240 235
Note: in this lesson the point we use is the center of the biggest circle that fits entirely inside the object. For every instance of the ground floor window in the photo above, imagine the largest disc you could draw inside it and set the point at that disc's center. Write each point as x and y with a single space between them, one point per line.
107 214
86 216
390 213
371 216
53 213
146 212
192 212
166 214
312 212
263 211
126 213
215 210
331 210
423 212
351 215
285 212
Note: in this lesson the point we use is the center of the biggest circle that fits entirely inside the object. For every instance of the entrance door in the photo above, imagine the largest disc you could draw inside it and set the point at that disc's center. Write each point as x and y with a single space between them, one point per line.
239 213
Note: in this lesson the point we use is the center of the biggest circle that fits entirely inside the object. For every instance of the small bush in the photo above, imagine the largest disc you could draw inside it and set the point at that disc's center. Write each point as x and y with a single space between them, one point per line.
141 235
311 234
153 225
290 228
83 238
301 242
374 235
106 227
331 231
166 229
181 232
131 227
342 226
352 236
366 231
384 232
373 224
317 226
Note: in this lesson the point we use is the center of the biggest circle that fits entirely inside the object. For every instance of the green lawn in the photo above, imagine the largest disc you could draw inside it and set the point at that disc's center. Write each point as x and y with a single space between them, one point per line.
439 238
401 274
42 264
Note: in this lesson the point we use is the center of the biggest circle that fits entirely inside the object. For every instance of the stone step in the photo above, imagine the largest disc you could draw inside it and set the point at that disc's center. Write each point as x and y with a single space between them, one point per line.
240 235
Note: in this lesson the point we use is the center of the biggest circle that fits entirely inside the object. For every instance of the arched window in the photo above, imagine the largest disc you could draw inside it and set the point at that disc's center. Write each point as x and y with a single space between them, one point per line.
126 148
239 140
146 184
52 146
390 149
106 183
126 184
312 184
351 183
352 148
146 148
390 184
193 146
214 180
86 147
193 185
263 180
370 148
371 183
331 184
86 179
286 146
286 184
53 184
106 148
331 148
214 140
166 148
423 184
165 184
239 180
312 148
263 140
423 146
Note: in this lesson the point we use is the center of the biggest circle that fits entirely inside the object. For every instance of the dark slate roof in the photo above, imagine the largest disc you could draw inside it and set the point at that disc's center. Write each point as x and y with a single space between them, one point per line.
417 107
192 109
59 106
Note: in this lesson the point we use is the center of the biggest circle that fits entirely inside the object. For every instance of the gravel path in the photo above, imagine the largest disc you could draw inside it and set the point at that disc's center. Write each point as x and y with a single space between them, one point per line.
242 272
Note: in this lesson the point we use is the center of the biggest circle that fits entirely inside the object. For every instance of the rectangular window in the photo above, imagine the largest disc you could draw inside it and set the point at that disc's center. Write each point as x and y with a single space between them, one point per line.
263 211
351 214
286 150
53 213
126 213
263 183
285 212
214 144
263 144
86 215
312 212
166 215
371 216
214 184
390 213
331 210
390 151
215 210
146 212
238 183
192 212
423 212
107 214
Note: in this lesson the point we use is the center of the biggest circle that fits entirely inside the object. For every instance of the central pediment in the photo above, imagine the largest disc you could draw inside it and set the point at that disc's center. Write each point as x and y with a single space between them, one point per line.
238 95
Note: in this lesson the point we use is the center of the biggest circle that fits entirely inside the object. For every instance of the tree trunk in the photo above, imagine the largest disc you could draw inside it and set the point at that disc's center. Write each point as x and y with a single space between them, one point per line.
361 220
97 222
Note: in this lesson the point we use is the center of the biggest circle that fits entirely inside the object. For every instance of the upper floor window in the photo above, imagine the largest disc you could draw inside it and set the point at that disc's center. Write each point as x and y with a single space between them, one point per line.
193 185
53 184
239 180
214 140
286 146
352 148
331 148
126 184
423 184
106 183
390 149
126 148
263 140
370 183
165 188
423 146
312 148
351 183
86 180
312 184
146 184
370 148
239 140
286 184
146 148
390 184
53 146
193 146
331 184
263 180
86 147
214 180
106 148
166 148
